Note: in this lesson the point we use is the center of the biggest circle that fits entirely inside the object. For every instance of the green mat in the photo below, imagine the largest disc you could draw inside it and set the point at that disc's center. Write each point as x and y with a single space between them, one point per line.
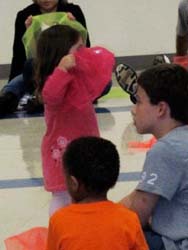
115 92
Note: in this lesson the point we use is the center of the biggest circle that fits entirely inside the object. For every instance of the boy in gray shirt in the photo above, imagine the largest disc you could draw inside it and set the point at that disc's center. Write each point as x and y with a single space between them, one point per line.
161 197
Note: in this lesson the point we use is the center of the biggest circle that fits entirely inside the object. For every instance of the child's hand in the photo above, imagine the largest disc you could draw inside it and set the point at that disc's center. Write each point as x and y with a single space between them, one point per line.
28 21
70 16
67 62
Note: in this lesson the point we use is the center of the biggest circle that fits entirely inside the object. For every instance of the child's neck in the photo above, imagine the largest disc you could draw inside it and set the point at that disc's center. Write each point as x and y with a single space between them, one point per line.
91 199
48 11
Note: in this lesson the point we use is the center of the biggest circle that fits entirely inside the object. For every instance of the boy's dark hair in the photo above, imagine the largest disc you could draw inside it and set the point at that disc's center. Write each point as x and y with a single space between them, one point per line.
94 161
53 43
168 83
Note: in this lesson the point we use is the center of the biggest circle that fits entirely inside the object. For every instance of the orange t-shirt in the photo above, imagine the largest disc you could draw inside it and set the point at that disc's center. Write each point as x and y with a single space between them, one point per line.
95 226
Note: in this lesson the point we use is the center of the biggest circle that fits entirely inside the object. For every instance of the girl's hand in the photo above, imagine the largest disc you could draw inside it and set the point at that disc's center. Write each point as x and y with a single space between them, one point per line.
70 16
28 21
67 62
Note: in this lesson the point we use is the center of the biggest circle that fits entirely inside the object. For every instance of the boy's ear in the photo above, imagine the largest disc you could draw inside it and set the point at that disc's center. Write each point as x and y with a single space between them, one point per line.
74 183
163 109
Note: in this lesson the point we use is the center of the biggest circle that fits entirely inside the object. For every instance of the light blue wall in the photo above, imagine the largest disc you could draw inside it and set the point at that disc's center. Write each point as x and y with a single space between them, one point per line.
127 27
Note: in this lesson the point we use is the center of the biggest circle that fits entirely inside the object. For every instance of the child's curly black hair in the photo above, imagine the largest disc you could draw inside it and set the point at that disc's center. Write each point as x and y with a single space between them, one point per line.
93 161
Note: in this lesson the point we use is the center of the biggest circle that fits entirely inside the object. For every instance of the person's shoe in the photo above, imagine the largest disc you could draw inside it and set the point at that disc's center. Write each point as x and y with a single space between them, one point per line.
160 59
127 79
33 106
8 103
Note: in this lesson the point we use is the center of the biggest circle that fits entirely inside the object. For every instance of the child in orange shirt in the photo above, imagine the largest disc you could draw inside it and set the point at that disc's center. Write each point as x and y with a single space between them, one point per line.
91 167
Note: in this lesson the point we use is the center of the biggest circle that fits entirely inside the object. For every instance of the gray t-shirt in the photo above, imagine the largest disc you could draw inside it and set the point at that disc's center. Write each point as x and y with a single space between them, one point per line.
182 25
165 173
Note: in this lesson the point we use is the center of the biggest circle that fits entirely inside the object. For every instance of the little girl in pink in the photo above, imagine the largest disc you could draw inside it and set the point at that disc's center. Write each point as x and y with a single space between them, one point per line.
69 77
